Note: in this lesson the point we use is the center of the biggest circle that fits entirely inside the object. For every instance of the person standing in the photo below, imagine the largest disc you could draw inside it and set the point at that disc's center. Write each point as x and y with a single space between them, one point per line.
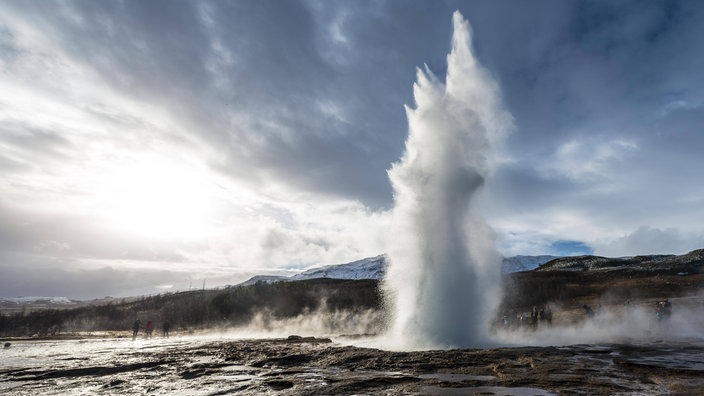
135 328
150 329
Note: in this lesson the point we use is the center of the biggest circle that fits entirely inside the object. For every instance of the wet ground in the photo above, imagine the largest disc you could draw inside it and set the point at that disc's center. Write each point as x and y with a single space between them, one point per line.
191 365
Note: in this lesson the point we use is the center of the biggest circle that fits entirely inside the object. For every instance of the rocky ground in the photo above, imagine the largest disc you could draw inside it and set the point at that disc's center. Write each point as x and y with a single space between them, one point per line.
318 366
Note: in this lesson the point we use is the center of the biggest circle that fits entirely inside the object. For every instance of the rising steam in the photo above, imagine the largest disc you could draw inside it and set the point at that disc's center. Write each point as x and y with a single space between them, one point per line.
443 279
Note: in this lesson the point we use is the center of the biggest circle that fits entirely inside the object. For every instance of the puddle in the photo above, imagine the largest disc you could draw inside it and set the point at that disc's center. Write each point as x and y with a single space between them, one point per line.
484 391
675 361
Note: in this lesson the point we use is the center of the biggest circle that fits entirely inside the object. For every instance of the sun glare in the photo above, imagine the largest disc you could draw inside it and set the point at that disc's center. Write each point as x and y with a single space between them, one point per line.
157 198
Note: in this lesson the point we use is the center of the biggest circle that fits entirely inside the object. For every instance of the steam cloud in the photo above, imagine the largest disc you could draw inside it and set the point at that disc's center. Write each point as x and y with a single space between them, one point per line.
321 323
615 324
444 274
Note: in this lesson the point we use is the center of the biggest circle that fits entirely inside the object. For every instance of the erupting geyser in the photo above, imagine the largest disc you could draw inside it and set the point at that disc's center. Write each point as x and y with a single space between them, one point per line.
443 279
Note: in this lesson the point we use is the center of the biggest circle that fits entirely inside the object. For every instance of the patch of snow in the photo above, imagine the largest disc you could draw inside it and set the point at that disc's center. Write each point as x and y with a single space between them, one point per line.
34 300
264 278
368 268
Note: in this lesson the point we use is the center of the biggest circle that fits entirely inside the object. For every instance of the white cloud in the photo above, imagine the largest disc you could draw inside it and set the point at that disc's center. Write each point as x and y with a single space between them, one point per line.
526 243
296 234
132 184
277 125
646 240
587 160
676 105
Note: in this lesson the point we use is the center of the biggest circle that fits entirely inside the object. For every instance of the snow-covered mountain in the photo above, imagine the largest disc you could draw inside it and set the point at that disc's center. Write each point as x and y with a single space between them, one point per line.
265 279
375 268
368 268
690 263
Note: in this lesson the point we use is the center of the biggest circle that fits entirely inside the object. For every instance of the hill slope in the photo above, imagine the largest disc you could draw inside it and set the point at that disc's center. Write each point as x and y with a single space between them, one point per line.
690 263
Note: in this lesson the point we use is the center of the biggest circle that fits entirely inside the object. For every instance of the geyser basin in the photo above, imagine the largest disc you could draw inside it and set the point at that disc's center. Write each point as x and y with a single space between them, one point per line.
443 279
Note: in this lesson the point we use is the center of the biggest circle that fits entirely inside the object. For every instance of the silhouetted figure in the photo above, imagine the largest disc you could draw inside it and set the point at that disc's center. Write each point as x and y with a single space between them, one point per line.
588 310
165 327
548 315
150 328
135 328
663 309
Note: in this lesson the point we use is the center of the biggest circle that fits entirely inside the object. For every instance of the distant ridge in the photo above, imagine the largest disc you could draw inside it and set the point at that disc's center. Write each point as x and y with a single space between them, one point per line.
37 300
264 278
689 263
375 267
524 263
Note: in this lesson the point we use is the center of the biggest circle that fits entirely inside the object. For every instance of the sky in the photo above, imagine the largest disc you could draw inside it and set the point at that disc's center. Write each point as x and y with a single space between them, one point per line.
156 146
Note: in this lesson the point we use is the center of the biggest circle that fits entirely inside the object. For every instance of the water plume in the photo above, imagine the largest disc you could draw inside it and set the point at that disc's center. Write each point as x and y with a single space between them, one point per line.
444 272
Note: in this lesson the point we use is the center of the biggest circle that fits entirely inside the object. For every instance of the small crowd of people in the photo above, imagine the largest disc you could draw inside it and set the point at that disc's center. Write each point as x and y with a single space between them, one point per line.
528 319
512 319
149 328
543 316
663 309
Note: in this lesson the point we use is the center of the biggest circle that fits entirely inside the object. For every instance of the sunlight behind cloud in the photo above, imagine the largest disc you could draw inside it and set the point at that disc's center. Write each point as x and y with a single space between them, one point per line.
226 137
156 197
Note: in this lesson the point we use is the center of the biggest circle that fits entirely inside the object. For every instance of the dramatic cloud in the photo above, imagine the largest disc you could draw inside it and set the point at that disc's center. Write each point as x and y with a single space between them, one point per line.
218 139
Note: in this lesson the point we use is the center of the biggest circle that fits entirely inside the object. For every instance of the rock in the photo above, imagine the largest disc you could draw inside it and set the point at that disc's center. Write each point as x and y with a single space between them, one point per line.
280 384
